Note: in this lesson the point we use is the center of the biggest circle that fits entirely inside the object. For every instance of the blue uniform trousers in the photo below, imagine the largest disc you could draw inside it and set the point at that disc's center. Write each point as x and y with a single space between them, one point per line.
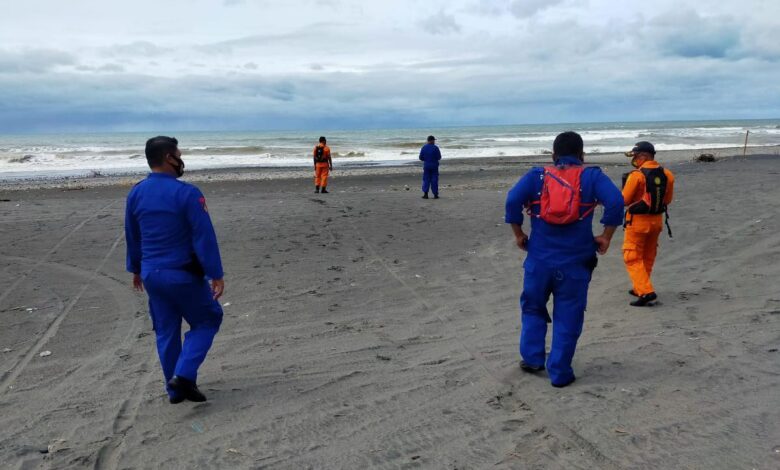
569 288
431 180
174 295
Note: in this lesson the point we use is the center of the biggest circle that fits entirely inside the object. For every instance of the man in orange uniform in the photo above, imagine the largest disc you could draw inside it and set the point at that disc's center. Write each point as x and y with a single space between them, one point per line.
322 165
646 192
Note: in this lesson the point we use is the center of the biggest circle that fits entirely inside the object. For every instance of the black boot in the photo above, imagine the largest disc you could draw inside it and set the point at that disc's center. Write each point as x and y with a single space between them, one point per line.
631 292
324 191
644 300
526 367
425 196
186 388
317 189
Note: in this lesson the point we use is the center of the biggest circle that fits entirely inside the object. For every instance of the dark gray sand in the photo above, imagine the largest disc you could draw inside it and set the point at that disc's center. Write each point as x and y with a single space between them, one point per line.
369 328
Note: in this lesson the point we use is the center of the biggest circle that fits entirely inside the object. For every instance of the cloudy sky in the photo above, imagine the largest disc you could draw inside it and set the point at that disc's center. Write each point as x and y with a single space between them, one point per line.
97 65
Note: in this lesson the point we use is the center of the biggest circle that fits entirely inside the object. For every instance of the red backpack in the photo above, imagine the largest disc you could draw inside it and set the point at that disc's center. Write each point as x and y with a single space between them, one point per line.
560 199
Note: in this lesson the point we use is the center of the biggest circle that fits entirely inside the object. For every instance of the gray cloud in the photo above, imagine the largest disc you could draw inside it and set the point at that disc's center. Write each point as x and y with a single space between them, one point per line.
686 34
371 64
441 23
34 60
136 49
529 8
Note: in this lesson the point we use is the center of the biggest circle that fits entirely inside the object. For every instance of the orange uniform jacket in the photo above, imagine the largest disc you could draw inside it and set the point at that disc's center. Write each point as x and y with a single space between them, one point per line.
640 243
321 169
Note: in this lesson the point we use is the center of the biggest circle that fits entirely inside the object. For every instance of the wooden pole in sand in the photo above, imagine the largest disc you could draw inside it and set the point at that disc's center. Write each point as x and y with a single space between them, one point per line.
744 149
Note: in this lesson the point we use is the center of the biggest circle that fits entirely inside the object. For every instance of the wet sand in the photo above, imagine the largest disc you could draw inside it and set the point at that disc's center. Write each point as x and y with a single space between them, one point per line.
369 328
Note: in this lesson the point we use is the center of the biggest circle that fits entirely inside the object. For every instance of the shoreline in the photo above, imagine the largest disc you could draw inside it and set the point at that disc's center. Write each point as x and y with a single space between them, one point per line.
255 173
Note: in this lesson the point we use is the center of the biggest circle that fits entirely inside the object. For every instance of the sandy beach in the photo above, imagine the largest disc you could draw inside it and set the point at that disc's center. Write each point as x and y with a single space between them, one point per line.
369 328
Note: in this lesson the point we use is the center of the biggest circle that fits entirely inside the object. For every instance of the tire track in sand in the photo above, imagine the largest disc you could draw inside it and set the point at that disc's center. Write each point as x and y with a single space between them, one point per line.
588 448
51 331
51 251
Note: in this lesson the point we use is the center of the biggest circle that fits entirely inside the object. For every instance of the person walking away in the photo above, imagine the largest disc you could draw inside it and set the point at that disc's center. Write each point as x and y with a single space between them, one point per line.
323 164
647 191
430 155
560 200
172 251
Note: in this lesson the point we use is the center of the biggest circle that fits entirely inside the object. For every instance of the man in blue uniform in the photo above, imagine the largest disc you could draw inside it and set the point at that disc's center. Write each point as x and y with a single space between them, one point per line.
561 258
172 251
430 156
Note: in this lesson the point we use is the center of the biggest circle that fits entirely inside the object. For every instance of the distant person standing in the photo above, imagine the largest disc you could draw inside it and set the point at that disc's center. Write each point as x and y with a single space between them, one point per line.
647 192
172 251
560 200
323 164
430 155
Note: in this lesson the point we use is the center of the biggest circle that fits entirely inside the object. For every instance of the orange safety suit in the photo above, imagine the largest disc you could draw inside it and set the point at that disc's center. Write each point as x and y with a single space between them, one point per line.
640 243
322 168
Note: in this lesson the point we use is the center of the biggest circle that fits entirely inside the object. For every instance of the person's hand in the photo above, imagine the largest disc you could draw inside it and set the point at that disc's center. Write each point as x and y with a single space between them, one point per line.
602 241
602 244
217 288
138 284
522 241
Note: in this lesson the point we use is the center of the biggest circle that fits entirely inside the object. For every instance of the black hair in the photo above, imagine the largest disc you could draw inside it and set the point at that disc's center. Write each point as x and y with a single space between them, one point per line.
568 143
158 147
323 140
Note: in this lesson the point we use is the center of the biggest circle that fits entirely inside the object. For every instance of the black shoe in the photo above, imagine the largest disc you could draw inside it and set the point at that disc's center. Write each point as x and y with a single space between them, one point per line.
425 196
631 292
175 399
186 388
324 191
561 385
317 189
526 367
436 196
644 300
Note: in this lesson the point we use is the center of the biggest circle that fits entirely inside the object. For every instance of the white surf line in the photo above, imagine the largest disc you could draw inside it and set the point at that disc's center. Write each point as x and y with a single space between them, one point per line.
53 250
12 374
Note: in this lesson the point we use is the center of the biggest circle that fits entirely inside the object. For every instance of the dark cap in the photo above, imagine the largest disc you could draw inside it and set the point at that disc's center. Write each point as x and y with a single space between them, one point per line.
641 147
430 138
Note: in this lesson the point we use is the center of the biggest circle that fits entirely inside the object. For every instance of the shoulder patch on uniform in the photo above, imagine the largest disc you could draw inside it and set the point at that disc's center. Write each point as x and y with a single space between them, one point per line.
202 201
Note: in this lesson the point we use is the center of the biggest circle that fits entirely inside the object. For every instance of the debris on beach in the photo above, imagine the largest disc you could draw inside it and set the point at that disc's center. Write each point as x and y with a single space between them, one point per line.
45 353
382 358
705 157
55 446
7 350
226 304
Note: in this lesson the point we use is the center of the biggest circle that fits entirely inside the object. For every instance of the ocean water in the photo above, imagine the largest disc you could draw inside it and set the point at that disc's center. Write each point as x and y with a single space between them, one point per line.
24 156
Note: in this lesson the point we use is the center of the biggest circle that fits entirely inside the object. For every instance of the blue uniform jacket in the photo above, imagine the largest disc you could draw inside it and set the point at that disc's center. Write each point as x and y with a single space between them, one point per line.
167 226
430 155
564 245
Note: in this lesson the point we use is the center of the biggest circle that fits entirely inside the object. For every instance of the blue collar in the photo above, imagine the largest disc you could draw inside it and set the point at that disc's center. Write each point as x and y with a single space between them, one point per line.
568 160
160 175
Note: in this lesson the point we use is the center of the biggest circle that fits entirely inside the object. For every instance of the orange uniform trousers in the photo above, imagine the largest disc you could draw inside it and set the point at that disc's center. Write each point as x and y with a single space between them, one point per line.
640 246
321 171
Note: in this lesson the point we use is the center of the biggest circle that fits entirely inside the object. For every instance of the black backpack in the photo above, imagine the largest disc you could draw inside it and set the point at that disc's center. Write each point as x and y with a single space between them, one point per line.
319 157
652 201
